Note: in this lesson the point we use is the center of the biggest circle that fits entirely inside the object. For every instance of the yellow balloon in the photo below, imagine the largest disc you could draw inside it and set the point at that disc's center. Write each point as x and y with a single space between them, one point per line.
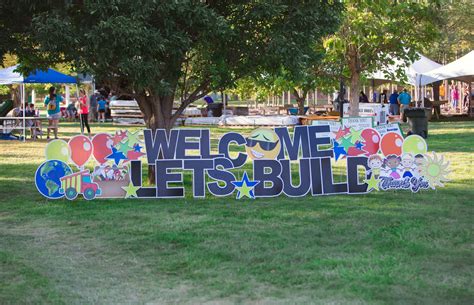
414 144
58 150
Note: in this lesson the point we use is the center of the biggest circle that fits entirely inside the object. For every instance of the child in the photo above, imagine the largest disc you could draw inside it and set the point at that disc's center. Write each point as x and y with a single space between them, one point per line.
71 112
101 108
407 163
392 162
375 163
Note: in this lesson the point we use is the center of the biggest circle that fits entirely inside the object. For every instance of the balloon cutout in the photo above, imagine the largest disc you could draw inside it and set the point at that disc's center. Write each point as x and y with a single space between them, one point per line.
58 150
371 141
102 144
415 145
391 144
81 149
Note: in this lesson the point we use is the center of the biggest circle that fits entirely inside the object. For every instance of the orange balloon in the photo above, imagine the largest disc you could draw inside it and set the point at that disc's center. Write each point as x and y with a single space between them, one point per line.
81 149
391 144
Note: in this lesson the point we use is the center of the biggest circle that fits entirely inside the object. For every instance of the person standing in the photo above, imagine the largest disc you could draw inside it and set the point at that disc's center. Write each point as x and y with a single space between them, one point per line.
363 98
404 98
93 106
383 97
454 97
52 103
394 107
101 107
84 111
465 98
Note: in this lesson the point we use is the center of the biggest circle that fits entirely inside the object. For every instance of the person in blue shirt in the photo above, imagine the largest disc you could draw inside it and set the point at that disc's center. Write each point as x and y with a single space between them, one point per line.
394 107
52 103
404 98
101 105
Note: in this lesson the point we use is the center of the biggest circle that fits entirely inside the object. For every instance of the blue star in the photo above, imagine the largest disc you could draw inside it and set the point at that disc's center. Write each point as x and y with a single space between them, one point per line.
359 145
338 150
137 147
245 187
116 155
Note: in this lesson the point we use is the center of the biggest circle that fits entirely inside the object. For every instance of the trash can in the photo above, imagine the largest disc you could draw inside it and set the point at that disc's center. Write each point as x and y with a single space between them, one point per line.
418 121
215 109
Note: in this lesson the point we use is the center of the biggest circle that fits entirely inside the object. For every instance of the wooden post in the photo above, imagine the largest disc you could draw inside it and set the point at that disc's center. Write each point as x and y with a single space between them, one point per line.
315 97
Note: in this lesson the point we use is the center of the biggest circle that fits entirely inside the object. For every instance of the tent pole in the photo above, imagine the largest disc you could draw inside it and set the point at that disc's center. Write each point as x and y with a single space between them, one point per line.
24 110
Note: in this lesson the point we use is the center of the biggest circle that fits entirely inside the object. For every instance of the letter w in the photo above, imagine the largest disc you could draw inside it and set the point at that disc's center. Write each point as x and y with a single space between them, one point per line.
160 143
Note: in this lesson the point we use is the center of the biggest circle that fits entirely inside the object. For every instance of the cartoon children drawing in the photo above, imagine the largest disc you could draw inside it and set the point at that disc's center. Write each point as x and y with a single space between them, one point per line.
407 164
419 159
375 163
393 162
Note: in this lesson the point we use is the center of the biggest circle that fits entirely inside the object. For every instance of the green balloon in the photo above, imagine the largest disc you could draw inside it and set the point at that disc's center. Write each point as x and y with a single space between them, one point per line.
58 150
414 144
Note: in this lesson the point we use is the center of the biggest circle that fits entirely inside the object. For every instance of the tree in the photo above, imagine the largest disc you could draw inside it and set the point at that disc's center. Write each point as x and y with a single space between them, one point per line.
456 32
162 50
374 34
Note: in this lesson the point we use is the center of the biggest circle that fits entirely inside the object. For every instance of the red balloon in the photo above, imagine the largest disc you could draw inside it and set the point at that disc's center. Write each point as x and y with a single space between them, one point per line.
391 144
81 149
102 143
371 141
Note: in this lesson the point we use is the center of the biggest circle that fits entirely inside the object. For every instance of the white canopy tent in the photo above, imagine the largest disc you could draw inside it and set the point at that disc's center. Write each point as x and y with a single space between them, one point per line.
461 69
414 73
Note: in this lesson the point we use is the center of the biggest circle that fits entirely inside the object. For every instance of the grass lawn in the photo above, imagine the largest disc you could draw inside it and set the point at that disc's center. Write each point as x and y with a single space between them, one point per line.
381 248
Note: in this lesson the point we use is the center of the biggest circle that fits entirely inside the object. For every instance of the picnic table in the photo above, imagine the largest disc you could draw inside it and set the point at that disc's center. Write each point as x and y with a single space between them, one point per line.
16 123
308 119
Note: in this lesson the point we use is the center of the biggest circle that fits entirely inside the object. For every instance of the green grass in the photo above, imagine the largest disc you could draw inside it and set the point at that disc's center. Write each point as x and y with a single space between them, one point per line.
381 248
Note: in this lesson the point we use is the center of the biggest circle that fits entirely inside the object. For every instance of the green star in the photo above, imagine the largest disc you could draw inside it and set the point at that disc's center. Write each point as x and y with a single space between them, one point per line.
347 142
133 137
131 190
124 147
245 187
356 135
244 191
372 183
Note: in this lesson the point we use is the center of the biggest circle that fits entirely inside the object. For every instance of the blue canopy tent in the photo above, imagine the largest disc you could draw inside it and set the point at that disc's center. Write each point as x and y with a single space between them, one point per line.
50 76
10 76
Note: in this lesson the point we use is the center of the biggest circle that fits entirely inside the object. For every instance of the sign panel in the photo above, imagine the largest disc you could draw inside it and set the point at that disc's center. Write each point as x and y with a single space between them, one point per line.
110 165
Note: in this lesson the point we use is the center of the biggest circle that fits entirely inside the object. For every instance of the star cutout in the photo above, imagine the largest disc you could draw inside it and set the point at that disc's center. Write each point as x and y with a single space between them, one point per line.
356 135
134 155
133 137
137 147
123 147
116 156
338 150
115 139
347 130
353 151
340 133
359 145
245 187
347 142
131 190
372 183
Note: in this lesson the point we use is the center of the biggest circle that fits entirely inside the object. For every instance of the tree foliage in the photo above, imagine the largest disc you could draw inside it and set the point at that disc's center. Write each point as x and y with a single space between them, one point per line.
375 33
456 31
162 50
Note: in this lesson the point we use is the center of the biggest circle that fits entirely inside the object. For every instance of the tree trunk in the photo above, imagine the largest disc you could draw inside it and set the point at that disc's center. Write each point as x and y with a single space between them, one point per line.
158 114
15 95
354 102
300 100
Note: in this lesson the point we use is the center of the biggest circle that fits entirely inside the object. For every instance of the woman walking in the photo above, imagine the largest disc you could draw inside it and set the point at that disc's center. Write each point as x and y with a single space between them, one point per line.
84 111
52 103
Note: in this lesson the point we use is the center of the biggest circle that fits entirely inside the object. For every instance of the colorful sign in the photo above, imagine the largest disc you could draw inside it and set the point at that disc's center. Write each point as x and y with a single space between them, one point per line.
259 164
